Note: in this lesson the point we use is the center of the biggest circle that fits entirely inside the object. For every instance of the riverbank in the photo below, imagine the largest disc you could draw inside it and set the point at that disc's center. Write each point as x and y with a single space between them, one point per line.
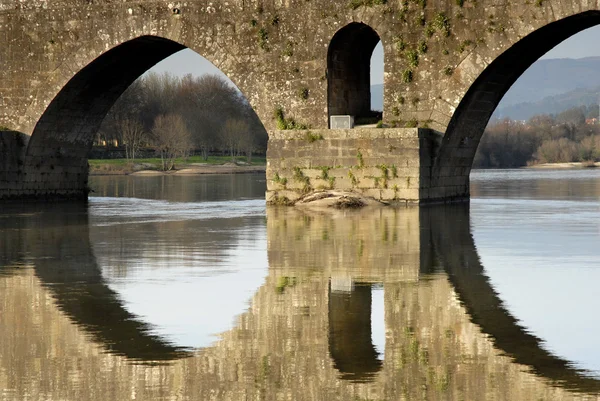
570 165
190 166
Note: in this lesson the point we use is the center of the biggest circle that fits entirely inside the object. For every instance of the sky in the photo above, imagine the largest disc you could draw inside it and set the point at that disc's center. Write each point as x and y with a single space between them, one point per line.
583 44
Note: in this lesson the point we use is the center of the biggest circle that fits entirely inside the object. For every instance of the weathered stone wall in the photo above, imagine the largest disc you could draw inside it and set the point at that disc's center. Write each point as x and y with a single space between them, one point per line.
390 164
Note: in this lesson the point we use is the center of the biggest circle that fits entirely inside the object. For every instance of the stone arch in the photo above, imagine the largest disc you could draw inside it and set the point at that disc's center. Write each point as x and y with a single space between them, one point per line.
468 122
349 70
64 134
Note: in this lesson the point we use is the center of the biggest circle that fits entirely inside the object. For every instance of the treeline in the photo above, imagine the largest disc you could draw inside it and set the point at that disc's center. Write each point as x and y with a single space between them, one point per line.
565 137
178 117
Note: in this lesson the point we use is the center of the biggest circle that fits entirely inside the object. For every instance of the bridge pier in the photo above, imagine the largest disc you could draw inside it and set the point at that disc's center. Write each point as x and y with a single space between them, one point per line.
55 176
388 164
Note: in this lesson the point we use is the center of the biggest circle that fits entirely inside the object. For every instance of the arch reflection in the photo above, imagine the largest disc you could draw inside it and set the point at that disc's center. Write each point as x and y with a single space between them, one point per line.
447 333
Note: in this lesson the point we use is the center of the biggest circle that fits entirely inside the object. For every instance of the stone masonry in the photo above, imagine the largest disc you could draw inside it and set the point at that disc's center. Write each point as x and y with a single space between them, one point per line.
447 64
391 164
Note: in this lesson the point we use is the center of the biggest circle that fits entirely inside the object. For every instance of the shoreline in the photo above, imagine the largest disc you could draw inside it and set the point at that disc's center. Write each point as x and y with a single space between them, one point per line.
564 166
184 170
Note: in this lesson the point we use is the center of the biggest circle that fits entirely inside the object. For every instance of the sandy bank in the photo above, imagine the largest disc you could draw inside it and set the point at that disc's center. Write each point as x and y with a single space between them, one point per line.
564 165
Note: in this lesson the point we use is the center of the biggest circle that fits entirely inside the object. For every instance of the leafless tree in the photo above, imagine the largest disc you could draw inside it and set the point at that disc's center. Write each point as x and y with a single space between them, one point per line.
233 135
171 139
132 134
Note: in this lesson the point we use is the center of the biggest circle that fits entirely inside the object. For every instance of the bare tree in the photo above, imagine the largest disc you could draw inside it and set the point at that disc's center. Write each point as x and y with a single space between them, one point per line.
232 136
127 106
171 138
132 134
205 103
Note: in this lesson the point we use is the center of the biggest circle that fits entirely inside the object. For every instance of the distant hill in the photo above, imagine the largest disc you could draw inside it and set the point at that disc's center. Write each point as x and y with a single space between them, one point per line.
553 77
549 105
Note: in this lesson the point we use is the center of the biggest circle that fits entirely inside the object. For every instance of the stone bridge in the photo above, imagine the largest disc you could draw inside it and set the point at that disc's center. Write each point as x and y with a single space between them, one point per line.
63 63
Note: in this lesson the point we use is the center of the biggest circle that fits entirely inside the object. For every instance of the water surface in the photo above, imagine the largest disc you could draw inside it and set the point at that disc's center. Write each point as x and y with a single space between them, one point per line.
190 288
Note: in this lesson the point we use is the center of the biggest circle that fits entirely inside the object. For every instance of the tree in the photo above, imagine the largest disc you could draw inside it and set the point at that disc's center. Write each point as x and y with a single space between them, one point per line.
233 135
132 133
171 138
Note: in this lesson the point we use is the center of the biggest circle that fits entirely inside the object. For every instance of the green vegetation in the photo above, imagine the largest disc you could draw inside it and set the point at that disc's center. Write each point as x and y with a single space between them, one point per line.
412 58
289 50
263 37
448 71
384 175
280 201
400 44
361 161
463 45
302 179
407 76
324 172
413 123
311 137
460 3
353 178
422 47
125 166
354 4
379 124
286 123
440 23
280 180
303 93
283 283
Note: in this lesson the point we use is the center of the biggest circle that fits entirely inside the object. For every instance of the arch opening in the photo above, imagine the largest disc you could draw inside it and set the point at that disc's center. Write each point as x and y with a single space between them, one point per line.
65 133
349 72
468 123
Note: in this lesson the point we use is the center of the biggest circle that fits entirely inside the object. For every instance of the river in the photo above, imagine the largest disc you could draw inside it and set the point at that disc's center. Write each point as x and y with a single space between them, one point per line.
190 288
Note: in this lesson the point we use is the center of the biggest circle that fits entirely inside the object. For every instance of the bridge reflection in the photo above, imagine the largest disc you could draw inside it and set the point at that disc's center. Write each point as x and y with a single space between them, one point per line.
309 326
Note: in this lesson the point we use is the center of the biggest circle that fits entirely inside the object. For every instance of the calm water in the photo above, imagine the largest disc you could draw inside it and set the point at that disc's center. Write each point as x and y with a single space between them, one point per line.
189 288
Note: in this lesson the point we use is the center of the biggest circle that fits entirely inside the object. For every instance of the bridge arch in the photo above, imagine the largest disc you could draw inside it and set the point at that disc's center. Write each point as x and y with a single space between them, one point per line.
64 134
468 122
349 70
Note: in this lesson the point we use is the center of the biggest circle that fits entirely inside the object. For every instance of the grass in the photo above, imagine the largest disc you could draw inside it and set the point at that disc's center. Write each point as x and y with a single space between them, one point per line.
125 165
